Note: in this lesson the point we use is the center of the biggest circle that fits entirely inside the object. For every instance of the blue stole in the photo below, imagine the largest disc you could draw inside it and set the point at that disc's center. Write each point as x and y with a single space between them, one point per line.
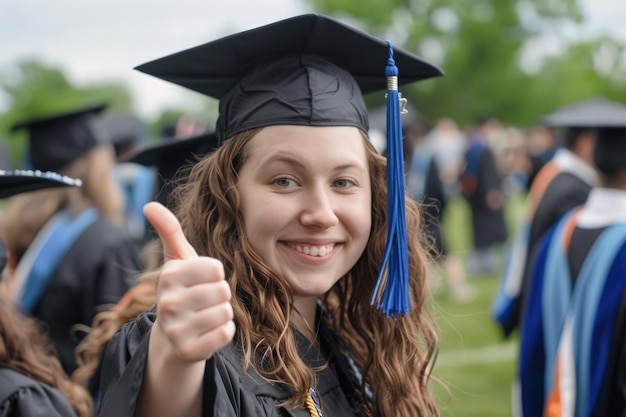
507 295
551 301
60 238
593 310
532 356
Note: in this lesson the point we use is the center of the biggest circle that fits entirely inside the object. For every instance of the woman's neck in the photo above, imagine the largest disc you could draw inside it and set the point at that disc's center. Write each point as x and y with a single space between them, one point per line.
305 316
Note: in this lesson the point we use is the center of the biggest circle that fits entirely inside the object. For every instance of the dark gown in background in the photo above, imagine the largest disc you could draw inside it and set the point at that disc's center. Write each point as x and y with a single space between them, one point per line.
564 192
478 178
97 270
228 390
22 396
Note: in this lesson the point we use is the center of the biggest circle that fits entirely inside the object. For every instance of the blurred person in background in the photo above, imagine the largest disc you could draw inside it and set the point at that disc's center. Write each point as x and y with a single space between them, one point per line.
447 143
562 184
32 380
572 358
541 145
481 186
67 252
424 184
128 133
514 162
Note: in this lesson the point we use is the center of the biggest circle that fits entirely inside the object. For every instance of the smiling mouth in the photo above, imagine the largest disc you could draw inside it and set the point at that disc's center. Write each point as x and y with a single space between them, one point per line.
312 250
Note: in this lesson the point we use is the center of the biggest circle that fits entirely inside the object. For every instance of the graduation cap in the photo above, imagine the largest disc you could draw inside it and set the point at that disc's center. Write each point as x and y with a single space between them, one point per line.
170 156
309 70
592 113
22 181
585 116
306 70
57 140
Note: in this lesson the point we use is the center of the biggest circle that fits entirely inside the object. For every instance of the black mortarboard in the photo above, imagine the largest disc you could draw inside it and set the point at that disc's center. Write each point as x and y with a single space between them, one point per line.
22 181
591 113
168 157
306 70
57 140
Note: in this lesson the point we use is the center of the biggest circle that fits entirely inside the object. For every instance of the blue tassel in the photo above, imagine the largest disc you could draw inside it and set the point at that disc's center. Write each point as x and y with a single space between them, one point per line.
395 297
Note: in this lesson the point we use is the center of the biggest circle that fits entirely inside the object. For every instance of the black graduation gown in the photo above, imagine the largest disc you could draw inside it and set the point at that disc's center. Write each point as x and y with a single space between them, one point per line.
97 270
489 226
564 192
228 390
22 396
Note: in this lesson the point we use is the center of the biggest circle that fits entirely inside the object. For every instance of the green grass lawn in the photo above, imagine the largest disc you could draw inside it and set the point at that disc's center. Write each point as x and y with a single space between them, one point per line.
475 363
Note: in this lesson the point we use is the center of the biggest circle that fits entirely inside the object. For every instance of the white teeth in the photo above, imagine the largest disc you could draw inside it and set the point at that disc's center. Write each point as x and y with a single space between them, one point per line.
313 250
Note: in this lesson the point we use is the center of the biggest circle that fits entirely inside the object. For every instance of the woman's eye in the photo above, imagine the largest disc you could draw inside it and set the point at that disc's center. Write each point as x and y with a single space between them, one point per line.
344 183
284 182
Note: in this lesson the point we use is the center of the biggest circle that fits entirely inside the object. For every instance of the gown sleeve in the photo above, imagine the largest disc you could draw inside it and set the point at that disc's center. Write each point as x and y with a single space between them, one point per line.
229 391
31 398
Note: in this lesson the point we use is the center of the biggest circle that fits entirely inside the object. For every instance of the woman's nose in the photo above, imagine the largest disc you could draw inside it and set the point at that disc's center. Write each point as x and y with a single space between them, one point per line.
318 209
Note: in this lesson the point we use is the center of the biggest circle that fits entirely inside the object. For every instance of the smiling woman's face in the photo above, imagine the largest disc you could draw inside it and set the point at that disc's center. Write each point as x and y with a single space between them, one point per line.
306 202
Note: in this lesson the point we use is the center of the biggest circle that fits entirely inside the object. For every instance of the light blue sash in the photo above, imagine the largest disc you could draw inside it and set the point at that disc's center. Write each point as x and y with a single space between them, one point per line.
50 254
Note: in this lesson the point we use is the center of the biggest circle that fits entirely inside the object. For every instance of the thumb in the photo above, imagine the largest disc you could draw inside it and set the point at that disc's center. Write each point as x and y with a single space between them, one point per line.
175 244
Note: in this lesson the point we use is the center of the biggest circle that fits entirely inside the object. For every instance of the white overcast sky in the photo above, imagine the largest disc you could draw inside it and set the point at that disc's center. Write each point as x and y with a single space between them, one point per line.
95 40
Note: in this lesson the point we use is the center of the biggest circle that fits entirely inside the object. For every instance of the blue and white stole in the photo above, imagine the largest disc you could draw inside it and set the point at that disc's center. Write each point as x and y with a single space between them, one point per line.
576 376
43 256
546 307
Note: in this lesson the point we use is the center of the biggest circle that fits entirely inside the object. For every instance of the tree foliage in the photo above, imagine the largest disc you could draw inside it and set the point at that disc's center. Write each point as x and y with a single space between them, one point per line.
491 52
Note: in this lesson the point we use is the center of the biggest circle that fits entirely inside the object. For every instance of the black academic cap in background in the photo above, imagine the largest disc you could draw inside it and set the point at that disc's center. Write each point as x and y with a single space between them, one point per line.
56 141
592 113
307 70
170 156
22 181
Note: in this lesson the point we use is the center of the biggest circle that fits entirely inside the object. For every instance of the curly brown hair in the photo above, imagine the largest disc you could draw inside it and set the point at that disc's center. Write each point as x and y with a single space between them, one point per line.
25 349
397 373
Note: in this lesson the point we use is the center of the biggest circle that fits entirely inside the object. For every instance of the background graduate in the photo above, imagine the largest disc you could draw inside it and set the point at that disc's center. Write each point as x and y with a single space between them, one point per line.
574 305
68 254
32 381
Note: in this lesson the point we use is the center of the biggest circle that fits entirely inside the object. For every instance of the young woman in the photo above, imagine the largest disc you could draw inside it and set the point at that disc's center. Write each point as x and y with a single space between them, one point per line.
264 298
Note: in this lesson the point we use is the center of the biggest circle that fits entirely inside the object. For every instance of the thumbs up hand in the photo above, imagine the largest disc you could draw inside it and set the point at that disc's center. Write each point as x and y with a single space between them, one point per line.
193 304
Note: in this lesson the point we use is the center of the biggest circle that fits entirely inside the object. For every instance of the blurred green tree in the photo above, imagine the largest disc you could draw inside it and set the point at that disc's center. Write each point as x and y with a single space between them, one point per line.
492 53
